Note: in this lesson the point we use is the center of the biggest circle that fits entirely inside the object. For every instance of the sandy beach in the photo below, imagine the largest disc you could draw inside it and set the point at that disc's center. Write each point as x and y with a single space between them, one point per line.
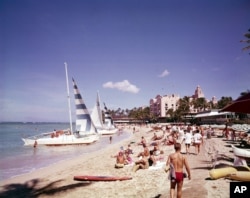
57 179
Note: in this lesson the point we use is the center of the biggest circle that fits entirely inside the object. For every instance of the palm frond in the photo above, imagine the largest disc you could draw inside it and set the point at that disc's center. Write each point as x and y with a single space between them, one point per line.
246 48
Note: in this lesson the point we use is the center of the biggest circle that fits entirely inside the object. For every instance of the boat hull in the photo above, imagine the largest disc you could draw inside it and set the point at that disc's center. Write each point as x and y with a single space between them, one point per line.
61 140
242 153
107 131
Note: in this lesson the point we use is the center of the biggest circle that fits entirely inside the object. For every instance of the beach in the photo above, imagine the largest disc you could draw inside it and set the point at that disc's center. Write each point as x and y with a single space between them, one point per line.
57 179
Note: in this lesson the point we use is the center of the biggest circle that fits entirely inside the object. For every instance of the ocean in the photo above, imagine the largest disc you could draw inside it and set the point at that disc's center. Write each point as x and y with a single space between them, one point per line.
17 159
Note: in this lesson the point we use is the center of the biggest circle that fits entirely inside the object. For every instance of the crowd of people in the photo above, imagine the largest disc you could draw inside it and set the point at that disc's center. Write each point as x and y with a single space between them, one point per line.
152 151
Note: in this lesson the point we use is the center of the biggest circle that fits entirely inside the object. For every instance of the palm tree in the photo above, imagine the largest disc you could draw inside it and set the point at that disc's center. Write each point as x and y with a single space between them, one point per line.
224 101
184 105
200 104
247 35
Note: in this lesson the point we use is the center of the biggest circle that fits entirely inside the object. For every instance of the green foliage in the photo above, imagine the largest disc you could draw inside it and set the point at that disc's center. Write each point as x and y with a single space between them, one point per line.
183 109
224 101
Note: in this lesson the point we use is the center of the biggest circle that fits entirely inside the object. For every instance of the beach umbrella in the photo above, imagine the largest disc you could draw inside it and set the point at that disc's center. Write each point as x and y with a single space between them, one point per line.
240 105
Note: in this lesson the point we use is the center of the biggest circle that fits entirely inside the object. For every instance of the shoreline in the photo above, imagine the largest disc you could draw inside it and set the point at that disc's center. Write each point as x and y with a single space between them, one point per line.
57 179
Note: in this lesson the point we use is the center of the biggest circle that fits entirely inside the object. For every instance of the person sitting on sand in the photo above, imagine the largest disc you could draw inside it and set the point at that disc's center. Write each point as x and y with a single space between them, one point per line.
129 150
151 159
145 151
156 150
120 160
176 161
141 163
143 141
154 137
128 159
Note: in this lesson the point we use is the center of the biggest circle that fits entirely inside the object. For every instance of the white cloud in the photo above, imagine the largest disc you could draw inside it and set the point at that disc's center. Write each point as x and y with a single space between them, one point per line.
164 73
125 86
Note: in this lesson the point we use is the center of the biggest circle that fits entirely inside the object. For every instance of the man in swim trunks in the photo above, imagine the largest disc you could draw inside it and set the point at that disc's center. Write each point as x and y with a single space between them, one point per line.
177 161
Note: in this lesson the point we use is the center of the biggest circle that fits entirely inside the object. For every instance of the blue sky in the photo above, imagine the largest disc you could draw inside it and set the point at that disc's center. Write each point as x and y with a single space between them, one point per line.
128 50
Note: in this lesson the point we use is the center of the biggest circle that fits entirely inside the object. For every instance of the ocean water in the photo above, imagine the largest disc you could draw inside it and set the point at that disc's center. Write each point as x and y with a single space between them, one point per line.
17 159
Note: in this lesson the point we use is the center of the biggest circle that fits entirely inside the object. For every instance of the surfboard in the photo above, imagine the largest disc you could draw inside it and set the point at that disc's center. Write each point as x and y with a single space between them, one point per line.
240 176
100 178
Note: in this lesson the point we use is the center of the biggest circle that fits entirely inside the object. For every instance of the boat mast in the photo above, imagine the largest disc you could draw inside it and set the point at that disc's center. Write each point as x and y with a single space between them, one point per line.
67 82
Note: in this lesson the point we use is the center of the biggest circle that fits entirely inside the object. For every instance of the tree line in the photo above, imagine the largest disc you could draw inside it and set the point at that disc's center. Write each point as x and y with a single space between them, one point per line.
183 108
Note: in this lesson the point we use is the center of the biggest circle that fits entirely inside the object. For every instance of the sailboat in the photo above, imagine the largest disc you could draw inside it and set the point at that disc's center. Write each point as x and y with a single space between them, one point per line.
106 128
86 133
108 122
96 114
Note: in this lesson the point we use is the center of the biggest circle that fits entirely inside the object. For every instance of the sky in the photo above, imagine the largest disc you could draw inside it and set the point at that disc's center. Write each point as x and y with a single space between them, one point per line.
128 50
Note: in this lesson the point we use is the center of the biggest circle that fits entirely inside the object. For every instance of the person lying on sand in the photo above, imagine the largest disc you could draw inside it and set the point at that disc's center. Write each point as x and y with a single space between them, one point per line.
171 139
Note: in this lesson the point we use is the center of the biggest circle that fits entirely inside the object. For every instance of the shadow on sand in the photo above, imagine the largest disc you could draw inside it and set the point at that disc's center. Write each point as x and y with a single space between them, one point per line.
31 189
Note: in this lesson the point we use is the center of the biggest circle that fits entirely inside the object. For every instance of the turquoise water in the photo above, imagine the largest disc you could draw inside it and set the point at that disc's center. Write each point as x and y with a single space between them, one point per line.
17 159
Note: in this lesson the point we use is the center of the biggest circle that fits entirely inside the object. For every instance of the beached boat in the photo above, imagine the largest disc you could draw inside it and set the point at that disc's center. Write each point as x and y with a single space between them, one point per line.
242 153
109 127
106 128
85 132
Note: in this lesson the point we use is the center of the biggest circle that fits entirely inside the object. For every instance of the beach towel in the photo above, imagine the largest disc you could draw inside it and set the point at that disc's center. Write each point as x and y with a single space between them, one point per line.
172 175
158 165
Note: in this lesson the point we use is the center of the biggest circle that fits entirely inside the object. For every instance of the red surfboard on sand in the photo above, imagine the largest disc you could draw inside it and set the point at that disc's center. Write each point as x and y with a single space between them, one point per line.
100 178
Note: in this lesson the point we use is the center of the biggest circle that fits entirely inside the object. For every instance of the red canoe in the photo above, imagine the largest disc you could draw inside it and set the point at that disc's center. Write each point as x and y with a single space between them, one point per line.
100 178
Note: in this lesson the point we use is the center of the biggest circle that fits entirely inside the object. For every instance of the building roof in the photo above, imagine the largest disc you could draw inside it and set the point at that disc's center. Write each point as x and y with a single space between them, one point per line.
212 113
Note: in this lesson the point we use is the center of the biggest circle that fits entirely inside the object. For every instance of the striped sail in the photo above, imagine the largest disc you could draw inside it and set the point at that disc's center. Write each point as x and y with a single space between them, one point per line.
84 124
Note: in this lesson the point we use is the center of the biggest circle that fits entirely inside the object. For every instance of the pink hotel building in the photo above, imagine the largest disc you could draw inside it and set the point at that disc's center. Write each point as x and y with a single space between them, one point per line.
161 104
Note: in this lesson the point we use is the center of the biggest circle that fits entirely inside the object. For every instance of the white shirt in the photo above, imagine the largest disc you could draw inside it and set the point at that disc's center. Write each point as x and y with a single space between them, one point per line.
197 138
188 138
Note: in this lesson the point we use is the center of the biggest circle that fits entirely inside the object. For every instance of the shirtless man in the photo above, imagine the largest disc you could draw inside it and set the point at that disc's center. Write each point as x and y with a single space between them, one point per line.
178 161
120 160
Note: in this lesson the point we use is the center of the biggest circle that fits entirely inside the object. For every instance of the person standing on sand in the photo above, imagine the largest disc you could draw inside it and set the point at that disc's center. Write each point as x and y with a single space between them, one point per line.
197 141
176 161
188 140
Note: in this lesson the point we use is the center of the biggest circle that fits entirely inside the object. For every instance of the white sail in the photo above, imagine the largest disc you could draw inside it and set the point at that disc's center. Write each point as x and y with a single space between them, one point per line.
96 114
84 124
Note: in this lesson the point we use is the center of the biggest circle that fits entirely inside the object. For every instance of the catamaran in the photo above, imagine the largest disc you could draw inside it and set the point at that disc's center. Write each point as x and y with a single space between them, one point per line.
106 128
85 131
